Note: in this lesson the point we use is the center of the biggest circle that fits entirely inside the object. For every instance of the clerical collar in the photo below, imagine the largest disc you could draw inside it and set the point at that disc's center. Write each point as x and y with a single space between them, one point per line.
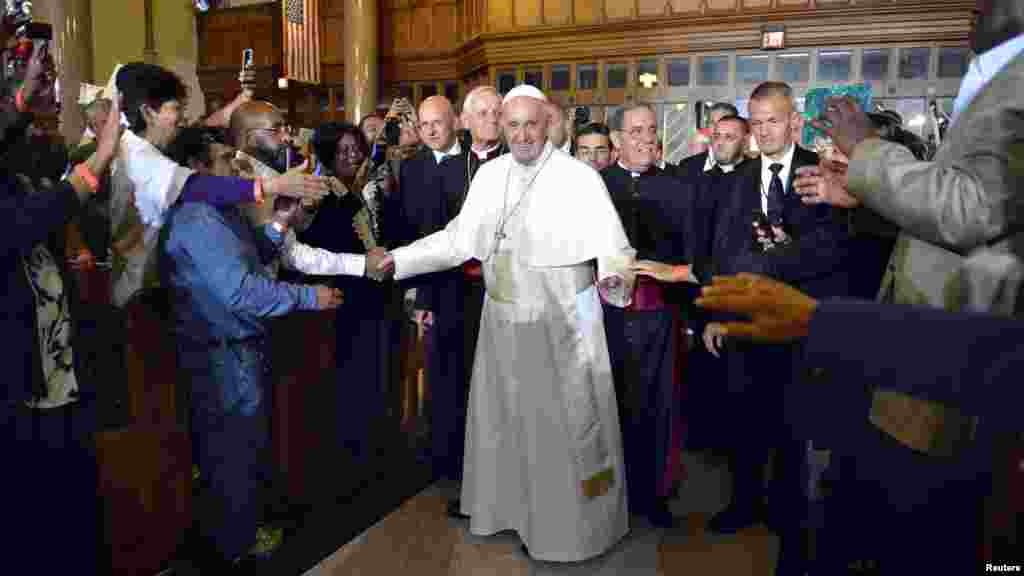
453 151
483 154
710 163
634 173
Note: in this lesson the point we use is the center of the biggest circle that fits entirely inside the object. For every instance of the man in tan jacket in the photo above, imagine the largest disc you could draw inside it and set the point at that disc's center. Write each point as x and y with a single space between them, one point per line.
959 221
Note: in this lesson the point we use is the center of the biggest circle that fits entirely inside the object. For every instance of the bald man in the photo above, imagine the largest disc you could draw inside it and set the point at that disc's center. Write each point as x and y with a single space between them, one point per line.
543 449
259 132
421 209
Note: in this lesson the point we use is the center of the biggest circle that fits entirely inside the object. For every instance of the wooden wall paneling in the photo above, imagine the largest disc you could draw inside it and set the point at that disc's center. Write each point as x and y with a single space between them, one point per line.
727 5
653 7
757 4
529 13
500 15
792 3
619 9
588 11
445 26
421 28
402 31
688 6
332 40
557 11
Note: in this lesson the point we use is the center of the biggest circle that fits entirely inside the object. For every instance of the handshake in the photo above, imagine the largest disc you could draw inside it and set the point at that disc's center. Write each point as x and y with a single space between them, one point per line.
380 265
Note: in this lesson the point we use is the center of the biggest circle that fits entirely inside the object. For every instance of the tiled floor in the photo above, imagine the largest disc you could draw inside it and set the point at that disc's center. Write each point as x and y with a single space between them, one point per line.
419 538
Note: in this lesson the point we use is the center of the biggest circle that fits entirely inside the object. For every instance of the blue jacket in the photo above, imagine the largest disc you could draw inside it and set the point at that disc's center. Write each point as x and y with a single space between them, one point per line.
219 284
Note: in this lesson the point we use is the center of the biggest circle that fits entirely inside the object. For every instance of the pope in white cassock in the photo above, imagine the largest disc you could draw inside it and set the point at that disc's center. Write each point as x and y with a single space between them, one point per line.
543 447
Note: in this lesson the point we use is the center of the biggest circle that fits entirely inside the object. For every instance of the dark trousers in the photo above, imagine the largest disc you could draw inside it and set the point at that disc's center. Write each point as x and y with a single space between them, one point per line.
449 394
368 381
449 351
52 508
230 438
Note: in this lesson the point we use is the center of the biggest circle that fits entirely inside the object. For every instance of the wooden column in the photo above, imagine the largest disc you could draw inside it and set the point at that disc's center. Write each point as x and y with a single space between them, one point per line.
361 67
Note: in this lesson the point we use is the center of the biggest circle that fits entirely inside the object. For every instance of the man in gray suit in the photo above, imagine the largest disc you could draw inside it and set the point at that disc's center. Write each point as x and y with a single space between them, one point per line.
963 203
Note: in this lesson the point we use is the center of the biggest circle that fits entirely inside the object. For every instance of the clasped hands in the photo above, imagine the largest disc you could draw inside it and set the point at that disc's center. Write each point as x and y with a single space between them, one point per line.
380 265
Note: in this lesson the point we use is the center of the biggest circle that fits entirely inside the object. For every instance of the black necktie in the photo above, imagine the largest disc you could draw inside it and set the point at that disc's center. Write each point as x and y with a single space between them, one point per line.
775 192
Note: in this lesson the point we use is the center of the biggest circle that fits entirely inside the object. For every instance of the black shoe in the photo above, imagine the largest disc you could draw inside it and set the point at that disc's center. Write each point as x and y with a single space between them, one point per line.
733 519
455 510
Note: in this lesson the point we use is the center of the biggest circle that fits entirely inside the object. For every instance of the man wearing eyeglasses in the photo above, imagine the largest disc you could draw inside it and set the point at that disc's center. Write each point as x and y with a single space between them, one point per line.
259 131
594 146
643 338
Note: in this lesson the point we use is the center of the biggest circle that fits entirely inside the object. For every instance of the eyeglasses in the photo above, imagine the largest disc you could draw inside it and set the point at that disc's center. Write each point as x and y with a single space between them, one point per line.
275 129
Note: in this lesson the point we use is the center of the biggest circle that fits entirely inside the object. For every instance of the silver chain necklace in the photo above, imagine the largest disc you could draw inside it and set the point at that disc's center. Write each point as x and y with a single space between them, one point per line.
503 218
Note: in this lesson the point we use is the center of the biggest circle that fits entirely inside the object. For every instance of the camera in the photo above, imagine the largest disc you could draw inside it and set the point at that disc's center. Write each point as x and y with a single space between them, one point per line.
17 20
392 131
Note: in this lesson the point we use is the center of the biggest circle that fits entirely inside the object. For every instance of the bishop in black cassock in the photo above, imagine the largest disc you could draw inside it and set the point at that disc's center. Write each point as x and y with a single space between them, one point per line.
644 339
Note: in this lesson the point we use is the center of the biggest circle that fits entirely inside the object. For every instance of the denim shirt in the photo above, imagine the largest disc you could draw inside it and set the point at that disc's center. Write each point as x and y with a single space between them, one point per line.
216 272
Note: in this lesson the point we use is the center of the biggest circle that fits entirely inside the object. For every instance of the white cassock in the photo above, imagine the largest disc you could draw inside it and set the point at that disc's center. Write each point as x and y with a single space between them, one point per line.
543 447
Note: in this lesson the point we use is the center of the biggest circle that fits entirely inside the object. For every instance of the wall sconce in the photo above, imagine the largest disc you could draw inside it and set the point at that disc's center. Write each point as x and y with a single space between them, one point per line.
648 80
282 83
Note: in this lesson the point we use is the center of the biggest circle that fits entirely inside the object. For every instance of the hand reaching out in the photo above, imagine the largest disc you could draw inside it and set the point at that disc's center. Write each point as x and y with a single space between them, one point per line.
328 298
778 312
846 123
824 184
297 184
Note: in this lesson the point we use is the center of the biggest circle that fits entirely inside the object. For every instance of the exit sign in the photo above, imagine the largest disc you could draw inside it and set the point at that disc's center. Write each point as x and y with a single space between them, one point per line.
773 38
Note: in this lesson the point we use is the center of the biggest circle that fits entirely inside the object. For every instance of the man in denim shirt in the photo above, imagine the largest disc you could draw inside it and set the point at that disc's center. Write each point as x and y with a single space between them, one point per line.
221 296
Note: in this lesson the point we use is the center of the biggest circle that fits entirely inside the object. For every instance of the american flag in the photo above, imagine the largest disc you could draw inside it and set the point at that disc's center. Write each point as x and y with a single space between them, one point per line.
302 40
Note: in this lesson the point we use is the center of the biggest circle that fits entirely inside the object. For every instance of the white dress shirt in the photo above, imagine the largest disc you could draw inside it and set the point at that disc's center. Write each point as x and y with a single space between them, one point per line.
983 68
710 163
482 154
766 174
455 150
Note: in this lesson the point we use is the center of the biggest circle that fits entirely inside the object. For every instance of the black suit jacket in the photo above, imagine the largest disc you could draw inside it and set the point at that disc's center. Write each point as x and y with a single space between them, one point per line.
691 167
815 260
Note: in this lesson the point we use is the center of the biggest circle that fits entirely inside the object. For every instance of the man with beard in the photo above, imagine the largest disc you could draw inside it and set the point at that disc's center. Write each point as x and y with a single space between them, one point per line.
457 296
693 166
643 337
543 448
258 131
146 183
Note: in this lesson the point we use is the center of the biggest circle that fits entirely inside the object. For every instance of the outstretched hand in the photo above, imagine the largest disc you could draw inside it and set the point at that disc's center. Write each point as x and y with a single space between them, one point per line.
824 184
663 272
777 312
845 123
297 184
